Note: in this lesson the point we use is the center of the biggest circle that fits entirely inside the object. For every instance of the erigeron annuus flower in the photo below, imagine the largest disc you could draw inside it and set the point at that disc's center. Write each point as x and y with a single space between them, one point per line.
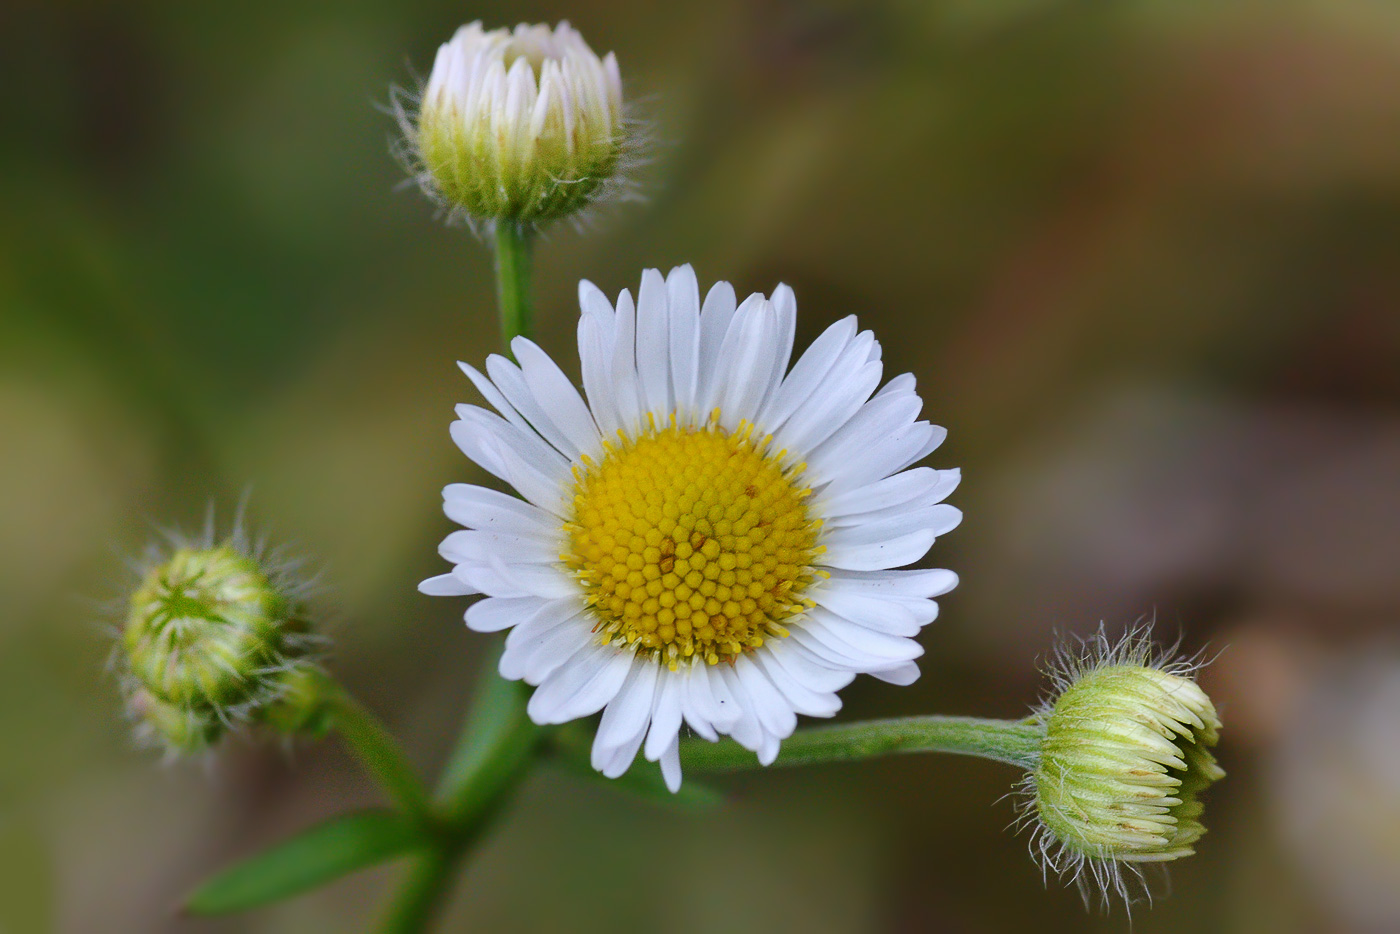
710 538
523 125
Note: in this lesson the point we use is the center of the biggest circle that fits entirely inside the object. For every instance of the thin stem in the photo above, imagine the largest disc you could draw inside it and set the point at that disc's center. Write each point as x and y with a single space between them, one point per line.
368 739
423 891
514 246
493 755
1016 742
498 741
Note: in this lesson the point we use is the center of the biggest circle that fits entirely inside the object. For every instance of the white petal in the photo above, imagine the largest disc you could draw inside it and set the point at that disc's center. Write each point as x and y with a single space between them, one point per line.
932 582
683 295
710 698
921 486
469 546
715 317
832 406
808 373
785 314
517 580
671 765
557 396
628 713
581 686
773 710
493 396
807 669
876 421
878 555
937 519
535 470
902 384
894 452
746 730
844 635
746 362
653 345
511 382
445 585
802 698
591 300
496 613
622 759
539 646
477 507
878 613
595 351
694 713
626 392
902 675
665 715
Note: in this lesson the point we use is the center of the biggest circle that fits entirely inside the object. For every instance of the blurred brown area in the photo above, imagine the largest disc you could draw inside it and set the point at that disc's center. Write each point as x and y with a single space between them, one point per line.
1144 258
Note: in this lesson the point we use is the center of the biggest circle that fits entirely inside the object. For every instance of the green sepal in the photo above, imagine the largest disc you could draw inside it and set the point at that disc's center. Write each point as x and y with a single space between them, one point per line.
308 860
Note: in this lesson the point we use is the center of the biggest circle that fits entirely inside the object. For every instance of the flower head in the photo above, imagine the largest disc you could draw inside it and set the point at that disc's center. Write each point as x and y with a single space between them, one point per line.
520 125
710 538
214 634
1125 757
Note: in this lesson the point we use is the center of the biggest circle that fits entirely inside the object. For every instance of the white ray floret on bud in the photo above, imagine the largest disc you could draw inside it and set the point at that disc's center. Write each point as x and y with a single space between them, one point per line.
1125 756
522 125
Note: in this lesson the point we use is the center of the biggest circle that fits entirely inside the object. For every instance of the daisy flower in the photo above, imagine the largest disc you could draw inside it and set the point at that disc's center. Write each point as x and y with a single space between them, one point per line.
705 537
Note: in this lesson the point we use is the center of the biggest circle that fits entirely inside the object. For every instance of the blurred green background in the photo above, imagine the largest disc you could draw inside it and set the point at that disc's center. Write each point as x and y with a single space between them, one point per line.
1143 256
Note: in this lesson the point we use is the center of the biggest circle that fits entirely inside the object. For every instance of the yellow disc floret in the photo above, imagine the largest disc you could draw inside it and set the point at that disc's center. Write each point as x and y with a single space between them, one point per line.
692 542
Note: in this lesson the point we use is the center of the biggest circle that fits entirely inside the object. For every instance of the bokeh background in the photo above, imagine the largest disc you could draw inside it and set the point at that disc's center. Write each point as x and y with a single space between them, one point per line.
1143 256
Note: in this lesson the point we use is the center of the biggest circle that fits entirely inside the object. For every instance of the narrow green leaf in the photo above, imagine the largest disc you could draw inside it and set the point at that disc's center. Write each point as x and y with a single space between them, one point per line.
312 858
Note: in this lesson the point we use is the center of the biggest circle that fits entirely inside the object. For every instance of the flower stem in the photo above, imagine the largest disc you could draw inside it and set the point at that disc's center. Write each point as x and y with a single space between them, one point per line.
498 742
493 754
1016 742
514 248
368 739
422 893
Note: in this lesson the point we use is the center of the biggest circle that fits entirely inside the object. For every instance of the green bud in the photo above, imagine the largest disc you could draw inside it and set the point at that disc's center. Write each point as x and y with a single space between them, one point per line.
1125 757
179 729
214 635
524 126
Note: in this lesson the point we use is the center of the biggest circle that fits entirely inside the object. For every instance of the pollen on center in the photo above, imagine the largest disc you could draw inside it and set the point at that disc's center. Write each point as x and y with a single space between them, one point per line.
694 542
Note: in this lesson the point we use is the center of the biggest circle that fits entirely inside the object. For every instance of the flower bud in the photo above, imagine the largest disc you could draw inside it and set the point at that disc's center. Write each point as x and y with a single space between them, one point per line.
523 125
212 636
1125 756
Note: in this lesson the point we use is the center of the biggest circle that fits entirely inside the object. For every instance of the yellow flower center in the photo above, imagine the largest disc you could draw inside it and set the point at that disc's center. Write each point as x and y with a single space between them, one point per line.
693 542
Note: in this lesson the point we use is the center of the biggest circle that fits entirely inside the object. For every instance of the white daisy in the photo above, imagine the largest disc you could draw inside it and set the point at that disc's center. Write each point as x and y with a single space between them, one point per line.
709 538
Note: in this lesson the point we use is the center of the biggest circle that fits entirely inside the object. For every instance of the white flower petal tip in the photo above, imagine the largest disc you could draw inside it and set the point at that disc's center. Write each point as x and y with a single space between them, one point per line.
522 125
706 537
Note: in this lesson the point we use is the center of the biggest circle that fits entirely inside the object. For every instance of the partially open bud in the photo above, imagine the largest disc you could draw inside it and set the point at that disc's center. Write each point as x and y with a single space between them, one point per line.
214 635
524 126
1125 757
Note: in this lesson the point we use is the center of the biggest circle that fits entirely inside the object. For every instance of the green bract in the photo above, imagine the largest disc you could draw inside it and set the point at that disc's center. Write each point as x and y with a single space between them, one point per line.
211 638
1125 757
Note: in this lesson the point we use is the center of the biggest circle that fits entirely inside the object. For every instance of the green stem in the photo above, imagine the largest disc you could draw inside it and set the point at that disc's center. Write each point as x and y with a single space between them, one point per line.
423 891
1016 742
498 741
514 246
493 755
368 739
